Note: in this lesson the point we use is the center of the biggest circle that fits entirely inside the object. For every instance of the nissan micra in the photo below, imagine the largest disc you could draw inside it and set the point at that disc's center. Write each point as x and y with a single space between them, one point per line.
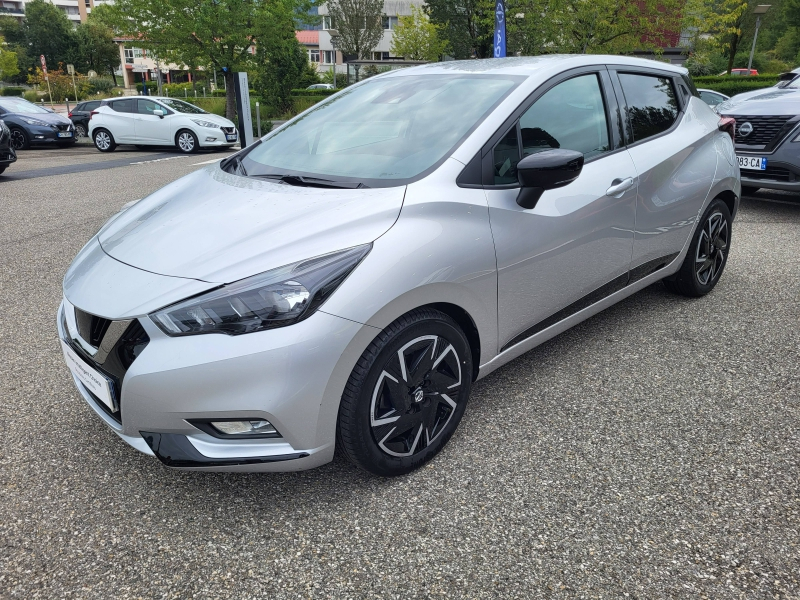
342 282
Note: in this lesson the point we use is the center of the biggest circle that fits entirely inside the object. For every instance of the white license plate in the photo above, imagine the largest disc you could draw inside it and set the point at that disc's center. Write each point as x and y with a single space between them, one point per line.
94 381
230 137
754 163
64 134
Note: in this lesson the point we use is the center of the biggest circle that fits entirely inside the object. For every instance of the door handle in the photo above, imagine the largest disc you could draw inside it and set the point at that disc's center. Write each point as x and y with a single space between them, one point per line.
619 186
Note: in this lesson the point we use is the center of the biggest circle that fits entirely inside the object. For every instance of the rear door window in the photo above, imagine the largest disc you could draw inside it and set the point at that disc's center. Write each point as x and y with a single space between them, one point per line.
91 105
652 104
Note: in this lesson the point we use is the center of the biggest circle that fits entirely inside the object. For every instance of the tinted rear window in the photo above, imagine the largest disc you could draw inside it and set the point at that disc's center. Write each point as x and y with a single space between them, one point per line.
652 104
127 106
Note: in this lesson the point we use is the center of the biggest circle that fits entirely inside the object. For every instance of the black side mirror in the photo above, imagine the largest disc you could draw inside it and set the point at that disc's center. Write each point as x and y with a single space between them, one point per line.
546 170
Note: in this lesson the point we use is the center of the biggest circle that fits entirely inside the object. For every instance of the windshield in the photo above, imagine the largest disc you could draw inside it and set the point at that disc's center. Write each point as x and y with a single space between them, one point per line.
20 106
389 129
182 107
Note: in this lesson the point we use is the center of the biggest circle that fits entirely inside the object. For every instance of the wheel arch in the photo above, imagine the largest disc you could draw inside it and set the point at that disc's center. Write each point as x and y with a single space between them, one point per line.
467 324
731 201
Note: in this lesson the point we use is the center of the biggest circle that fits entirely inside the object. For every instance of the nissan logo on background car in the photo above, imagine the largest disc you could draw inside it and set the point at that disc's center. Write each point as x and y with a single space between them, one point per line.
745 129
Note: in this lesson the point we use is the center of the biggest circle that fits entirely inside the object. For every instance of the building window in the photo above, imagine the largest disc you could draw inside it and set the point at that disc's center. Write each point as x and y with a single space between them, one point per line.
328 57
137 53
313 56
389 22
327 22
129 56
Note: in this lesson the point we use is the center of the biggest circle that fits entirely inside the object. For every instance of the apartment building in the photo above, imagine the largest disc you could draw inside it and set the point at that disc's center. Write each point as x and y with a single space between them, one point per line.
76 10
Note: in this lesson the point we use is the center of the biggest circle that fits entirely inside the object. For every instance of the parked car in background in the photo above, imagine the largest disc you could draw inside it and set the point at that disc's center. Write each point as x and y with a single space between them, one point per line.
80 116
711 97
767 137
31 124
7 153
158 121
320 86
346 279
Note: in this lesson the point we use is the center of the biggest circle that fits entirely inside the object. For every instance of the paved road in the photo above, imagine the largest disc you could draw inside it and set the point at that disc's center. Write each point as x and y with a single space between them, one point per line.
651 452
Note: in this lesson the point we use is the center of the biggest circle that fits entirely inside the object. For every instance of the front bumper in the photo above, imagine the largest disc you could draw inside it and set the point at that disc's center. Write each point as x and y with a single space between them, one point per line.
292 377
205 136
48 135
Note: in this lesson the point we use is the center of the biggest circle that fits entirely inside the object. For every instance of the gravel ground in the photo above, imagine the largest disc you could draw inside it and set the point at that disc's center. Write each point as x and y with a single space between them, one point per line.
651 452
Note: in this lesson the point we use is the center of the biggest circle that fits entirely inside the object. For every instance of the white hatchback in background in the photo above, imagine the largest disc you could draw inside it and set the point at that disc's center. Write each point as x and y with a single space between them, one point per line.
157 121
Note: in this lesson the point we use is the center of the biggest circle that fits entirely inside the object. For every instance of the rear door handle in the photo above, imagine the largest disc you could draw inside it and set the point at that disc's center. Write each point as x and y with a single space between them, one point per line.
619 186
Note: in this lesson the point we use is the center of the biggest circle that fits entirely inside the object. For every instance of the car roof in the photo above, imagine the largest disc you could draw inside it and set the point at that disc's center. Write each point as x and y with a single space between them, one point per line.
531 65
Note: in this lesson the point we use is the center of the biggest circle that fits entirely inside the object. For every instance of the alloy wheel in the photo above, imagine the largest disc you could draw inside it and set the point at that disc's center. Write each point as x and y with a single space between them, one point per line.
186 141
103 140
80 131
17 139
711 248
415 396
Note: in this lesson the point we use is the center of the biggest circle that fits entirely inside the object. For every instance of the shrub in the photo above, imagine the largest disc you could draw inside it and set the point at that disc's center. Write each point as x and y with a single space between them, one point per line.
12 91
102 85
60 85
31 96
152 87
313 92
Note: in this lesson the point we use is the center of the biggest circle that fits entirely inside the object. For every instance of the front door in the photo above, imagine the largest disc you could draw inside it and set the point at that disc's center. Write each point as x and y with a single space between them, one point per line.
575 245
150 128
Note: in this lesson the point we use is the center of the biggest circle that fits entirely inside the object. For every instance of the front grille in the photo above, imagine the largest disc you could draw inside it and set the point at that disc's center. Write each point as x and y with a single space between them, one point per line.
228 129
770 174
765 129
120 358
63 127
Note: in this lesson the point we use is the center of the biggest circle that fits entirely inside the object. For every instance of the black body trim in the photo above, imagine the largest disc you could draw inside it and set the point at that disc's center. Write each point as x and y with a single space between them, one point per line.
175 450
604 291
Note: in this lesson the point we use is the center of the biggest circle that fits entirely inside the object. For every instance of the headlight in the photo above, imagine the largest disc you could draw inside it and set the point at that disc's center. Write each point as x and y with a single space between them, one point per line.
35 122
205 123
277 298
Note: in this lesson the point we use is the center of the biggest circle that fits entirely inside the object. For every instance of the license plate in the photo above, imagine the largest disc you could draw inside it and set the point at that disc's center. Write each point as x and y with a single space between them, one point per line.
754 163
230 137
94 381
64 134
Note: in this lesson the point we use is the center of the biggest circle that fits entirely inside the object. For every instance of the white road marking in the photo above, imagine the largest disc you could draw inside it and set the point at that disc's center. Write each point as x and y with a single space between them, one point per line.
155 160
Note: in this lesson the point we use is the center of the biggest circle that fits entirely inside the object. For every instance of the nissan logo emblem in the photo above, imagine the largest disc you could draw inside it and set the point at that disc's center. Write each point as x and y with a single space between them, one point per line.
745 129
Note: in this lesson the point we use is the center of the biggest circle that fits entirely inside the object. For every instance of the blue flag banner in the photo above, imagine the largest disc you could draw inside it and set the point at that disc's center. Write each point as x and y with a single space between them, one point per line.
500 29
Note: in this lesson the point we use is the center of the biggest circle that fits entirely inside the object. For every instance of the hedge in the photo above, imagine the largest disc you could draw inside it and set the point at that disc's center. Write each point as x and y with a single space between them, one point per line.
11 91
317 92
710 79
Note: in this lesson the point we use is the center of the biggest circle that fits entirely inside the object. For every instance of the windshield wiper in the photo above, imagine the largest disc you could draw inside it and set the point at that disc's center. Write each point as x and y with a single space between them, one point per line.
304 181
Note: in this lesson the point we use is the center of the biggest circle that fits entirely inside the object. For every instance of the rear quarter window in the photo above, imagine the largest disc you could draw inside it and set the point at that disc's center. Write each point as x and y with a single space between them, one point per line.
652 104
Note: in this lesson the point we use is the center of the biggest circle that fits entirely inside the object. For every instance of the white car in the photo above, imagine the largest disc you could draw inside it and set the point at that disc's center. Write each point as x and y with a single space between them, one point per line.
157 121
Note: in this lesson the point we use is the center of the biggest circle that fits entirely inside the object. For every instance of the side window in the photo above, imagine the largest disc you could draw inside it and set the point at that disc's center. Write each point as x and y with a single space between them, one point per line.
124 106
652 105
91 105
572 115
146 107
710 99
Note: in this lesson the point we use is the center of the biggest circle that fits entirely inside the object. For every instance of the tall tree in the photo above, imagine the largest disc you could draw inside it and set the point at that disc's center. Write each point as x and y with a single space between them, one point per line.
416 38
283 64
8 61
360 25
96 48
217 33
468 25
47 31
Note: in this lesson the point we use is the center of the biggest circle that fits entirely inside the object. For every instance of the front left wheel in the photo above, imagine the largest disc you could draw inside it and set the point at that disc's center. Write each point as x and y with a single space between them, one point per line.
186 141
406 395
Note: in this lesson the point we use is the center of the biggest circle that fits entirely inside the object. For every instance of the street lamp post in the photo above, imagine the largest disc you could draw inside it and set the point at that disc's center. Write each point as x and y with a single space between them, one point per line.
334 33
758 11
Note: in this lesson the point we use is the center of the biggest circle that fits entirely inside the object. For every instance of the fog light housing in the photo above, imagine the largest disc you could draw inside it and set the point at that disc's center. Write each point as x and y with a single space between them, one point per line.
237 428
211 139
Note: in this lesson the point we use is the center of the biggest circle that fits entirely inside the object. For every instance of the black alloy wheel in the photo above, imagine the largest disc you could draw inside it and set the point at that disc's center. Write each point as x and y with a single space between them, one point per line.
708 253
406 394
19 139
80 130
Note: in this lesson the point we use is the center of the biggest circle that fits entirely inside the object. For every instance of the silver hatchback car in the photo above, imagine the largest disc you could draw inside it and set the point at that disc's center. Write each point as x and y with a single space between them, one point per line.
344 281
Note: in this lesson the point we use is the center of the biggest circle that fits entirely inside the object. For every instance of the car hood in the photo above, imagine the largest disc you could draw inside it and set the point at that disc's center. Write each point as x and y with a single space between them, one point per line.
218 227
51 118
769 101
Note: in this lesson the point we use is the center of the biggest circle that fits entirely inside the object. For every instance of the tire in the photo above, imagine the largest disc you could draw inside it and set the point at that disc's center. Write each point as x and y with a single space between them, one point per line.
80 130
748 190
707 256
103 140
186 141
394 417
19 139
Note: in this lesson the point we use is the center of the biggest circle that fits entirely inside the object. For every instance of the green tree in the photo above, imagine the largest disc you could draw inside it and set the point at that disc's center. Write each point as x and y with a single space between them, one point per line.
216 33
360 25
416 38
8 62
95 48
283 63
467 25
47 31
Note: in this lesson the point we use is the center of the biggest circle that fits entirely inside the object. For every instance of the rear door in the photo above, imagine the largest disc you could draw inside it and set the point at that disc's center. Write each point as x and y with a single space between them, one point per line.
118 118
150 128
574 246
671 142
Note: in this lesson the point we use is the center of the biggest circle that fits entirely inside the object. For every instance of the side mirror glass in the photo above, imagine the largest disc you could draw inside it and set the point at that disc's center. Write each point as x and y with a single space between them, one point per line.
159 113
546 170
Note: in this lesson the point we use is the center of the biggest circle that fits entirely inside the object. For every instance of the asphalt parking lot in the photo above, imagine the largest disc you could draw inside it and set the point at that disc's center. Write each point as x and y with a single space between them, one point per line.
651 452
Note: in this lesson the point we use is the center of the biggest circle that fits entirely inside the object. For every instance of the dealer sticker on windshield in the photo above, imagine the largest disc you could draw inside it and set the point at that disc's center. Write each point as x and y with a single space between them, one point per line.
754 163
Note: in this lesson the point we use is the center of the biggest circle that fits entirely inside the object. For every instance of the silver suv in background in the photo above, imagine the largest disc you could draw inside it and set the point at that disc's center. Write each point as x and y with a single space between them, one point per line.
346 279
767 137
